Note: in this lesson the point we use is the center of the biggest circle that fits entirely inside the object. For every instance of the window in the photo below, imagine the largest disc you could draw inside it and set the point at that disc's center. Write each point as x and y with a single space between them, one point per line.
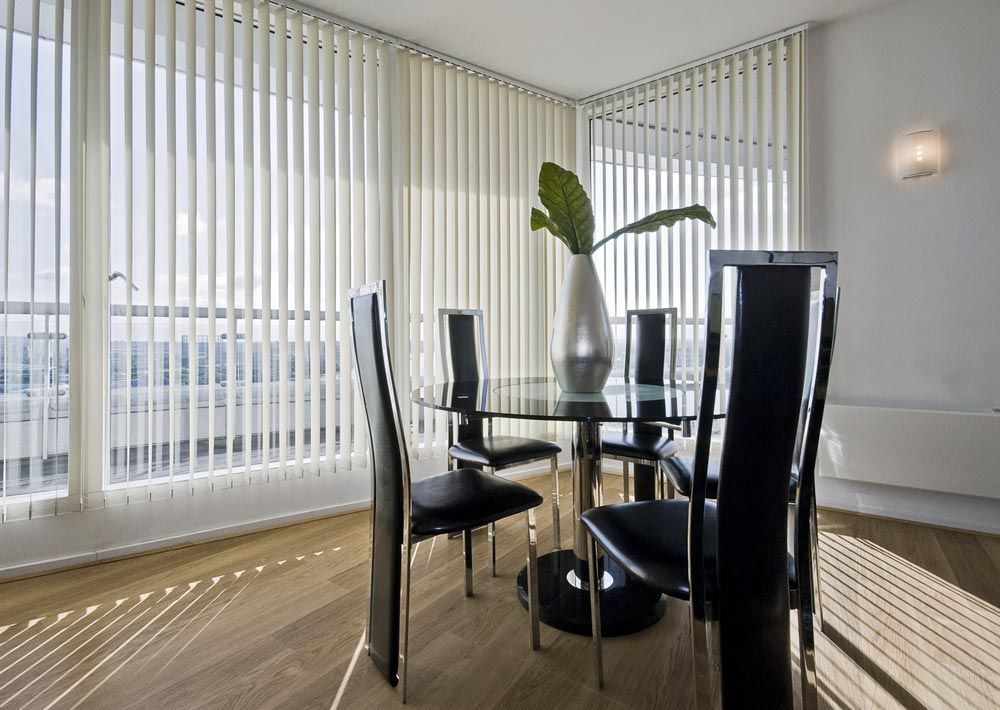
34 355
231 169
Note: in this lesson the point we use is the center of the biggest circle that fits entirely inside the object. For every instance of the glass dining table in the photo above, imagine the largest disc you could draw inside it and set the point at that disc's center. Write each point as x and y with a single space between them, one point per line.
627 605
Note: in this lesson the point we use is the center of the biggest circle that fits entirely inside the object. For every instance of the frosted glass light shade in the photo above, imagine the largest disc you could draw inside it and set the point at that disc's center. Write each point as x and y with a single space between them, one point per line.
918 154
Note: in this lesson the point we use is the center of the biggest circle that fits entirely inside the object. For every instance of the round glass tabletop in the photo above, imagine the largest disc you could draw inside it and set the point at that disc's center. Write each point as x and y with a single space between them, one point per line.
541 398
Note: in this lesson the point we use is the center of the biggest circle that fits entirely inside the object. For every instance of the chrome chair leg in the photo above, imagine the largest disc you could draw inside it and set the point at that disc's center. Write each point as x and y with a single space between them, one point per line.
626 493
533 611
404 640
467 543
492 529
702 664
810 618
554 466
595 608
807 656
814 562
493 549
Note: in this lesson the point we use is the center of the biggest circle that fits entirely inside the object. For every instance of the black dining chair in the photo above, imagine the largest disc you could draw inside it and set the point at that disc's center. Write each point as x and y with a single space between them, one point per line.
728 556
650 352
405 512
464 359
679 470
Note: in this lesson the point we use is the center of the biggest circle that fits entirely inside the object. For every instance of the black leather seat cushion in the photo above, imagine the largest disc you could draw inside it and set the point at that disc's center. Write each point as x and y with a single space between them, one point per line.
502 451
465 498
680 471
638 445
649 539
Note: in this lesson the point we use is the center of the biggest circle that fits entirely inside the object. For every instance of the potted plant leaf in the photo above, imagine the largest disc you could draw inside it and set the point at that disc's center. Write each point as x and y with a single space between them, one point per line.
582 346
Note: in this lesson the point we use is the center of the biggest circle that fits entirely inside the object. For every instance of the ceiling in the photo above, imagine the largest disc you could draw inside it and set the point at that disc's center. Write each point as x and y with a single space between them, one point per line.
576 48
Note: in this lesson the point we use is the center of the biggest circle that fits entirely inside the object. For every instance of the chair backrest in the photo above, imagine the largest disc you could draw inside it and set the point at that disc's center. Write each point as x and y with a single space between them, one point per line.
390 472
770 352
462 344
647 332
812 415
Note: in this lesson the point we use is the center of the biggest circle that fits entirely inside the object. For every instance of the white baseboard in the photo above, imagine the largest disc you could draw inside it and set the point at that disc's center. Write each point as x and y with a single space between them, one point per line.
935 467
32 547
910 504
107 554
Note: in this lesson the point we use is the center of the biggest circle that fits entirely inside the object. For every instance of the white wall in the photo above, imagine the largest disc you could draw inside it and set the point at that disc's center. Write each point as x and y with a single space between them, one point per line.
920 258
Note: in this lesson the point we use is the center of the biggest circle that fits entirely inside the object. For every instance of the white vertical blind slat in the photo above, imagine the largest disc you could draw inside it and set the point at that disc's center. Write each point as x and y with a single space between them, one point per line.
264 196
795 136
34 387
371 181
411 91
8 75
439 234
211 228
777 140
342 77
57 140
281 192
329 242
760 59
315 248
246 94
460 131
152 449
191 96
229 109
658 204
298 236
358 195
171 214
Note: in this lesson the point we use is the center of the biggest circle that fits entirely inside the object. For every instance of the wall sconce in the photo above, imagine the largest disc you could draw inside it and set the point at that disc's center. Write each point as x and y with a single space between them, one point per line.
918 154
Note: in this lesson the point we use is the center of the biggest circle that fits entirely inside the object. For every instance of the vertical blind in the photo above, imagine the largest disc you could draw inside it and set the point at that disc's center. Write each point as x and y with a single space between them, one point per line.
246 197
174 298
34 257
469 151
726 134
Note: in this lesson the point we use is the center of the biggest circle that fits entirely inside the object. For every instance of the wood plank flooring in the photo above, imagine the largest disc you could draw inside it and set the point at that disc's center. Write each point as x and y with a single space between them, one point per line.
275 620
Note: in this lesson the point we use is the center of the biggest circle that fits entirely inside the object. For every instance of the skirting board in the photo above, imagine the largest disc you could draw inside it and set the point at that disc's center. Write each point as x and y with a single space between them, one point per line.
47 544
936 467
912 505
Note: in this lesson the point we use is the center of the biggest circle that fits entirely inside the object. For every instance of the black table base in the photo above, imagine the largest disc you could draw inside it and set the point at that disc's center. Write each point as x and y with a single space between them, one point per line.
627 606
644 482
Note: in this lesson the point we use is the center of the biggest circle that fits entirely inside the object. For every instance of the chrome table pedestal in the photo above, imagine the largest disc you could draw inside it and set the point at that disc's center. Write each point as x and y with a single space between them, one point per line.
627 605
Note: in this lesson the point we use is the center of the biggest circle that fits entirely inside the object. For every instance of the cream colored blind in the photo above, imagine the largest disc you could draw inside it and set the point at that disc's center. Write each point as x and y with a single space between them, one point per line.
469 150
726 134
234 167
247 154
34 256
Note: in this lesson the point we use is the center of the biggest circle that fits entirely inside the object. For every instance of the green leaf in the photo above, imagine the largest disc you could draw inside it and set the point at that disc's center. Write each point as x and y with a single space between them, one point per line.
663 218
540 220
568 205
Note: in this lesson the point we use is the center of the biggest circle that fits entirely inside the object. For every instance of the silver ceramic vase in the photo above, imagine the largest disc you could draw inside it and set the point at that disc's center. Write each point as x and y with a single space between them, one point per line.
582 345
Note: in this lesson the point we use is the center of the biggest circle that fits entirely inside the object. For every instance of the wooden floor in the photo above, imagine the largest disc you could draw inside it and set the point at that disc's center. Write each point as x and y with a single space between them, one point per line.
275 619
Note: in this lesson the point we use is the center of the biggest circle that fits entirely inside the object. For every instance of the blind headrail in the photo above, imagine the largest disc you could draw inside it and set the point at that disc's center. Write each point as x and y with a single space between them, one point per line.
691 65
